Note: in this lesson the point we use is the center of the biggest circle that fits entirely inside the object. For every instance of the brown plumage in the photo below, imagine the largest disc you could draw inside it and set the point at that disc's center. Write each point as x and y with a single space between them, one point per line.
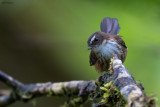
105 43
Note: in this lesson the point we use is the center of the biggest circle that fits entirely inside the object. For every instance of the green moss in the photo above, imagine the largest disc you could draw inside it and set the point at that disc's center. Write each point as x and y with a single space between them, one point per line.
111 66
97 83
108 85
24 95
74 102
112 96
51 93
109 96
104 89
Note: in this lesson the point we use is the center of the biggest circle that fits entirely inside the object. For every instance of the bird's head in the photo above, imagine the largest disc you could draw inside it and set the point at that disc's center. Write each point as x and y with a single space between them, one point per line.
96 40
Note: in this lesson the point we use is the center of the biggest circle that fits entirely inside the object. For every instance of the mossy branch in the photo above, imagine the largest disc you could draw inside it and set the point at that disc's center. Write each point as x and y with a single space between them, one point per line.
112 89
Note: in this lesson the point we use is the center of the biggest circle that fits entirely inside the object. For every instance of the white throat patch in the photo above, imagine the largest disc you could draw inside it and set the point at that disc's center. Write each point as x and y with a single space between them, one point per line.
92 39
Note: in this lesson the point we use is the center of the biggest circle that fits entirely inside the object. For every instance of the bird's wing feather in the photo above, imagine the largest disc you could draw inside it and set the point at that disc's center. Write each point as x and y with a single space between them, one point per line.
120 41
93 58
124 47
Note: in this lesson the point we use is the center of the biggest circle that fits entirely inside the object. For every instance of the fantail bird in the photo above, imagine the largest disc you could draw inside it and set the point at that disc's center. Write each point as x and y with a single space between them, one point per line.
105 44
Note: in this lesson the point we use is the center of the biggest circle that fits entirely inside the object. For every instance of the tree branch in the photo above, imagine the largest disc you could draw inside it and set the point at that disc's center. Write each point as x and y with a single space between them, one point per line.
27 92
114 88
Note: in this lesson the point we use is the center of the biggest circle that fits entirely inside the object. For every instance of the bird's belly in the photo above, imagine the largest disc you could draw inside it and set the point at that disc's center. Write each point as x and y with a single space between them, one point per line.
107 54
107 50
104 60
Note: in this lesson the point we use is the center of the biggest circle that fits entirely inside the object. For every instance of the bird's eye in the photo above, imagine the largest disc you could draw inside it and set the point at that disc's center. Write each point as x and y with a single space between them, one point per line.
96 39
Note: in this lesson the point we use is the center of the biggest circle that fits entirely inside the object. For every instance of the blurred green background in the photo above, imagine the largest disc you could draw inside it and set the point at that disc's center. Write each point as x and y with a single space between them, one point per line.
45 40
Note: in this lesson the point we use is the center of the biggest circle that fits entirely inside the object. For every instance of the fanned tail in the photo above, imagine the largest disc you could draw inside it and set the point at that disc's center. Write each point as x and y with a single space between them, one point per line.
110 25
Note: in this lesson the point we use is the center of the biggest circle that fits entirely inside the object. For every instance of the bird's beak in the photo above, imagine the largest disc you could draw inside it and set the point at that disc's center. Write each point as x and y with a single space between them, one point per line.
89 47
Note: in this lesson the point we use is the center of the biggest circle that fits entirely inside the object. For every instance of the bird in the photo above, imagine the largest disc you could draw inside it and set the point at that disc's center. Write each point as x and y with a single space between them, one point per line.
105 44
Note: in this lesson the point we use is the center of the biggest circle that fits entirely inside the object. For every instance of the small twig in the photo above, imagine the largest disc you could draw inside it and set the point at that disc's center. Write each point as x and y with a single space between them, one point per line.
8 80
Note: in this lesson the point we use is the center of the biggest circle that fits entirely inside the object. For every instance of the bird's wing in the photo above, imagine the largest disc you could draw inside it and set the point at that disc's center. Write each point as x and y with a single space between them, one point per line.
124 47
120 41
93 58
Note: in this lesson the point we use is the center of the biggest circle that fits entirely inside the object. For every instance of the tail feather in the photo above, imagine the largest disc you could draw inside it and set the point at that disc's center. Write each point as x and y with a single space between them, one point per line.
110 25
